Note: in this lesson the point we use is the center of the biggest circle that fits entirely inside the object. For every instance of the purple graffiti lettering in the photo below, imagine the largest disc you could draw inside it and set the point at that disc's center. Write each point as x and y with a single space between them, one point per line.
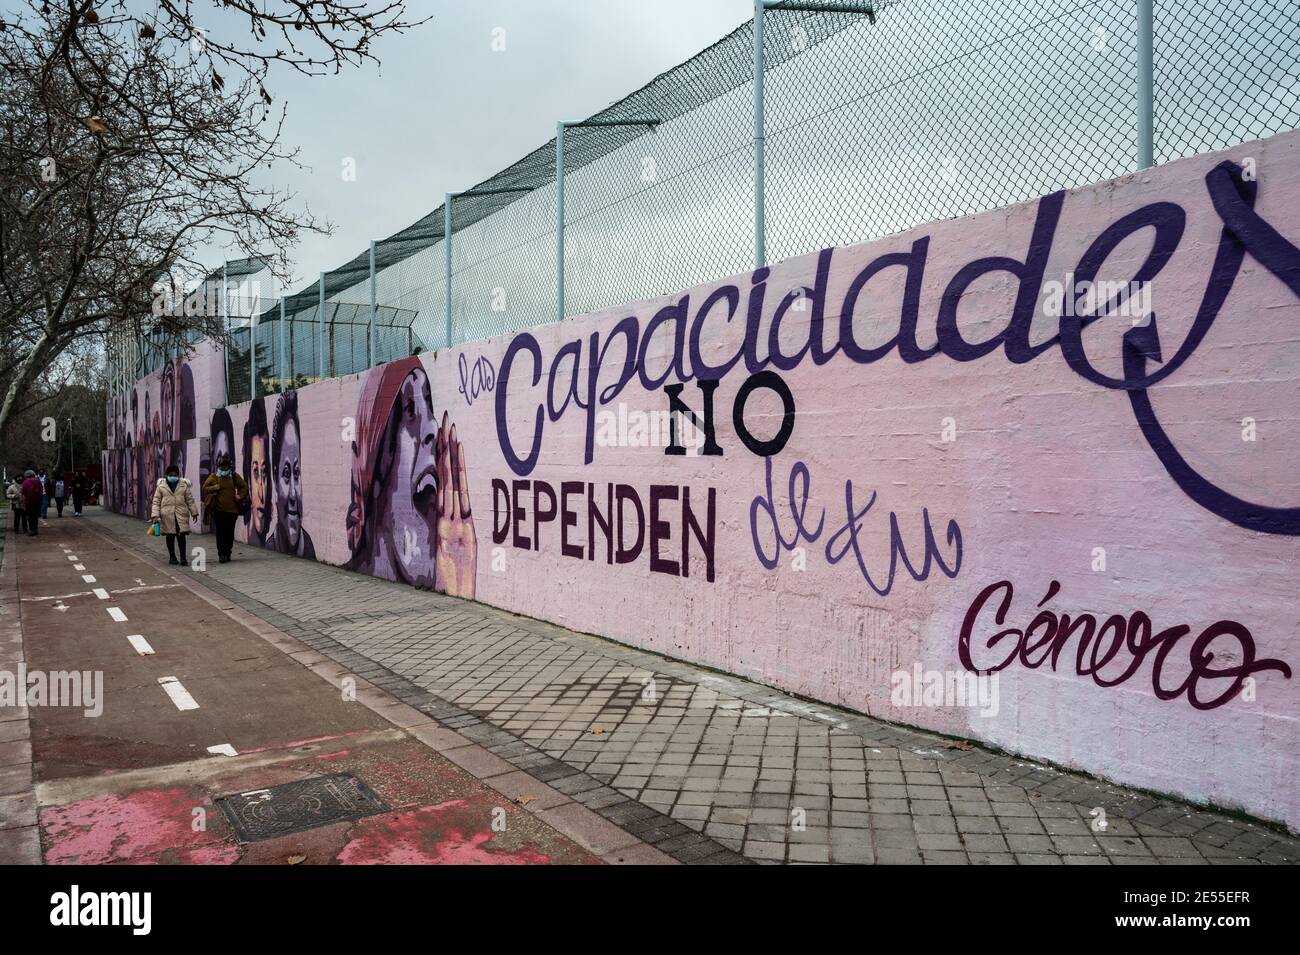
629 524
847 537
475 380
1244 231
1113 652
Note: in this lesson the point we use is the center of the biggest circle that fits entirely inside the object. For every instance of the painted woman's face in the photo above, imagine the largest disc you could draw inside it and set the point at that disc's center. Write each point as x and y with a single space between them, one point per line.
168 407
288 485
259 486
221 445
413 482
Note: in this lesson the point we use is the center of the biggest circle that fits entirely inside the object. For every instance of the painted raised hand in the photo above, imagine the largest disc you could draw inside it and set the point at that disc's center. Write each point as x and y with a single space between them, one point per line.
456 558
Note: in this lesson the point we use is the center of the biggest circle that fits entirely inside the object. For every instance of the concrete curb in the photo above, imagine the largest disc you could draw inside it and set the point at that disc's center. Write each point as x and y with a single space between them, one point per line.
20 836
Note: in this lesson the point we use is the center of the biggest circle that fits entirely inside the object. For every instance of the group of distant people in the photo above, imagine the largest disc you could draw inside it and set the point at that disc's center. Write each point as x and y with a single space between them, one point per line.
173 507
30 495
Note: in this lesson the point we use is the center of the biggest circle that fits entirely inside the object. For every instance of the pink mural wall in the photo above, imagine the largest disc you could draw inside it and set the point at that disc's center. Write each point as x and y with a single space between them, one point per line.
1027 477
162 420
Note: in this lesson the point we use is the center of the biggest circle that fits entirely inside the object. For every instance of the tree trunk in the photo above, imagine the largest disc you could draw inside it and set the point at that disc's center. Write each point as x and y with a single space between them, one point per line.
28 369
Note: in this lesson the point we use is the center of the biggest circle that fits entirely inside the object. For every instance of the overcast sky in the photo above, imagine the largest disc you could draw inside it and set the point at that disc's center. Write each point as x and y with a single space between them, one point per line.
445 111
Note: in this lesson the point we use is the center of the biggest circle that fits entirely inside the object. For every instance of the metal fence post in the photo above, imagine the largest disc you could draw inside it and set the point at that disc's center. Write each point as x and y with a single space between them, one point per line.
284 363
446 248
322 364
374 345
559 221
650 121
448 199
252 351
225 330
1146 83
760 224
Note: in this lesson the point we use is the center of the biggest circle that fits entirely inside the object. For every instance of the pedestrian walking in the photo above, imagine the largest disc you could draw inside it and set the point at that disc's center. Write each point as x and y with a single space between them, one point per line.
60 494
173 508
225 497
78 492
14 495
46 489
33 494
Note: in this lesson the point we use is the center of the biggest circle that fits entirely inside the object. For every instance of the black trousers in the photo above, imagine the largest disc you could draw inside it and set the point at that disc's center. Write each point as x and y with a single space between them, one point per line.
33 519
76 502
224 525
20 518
58 502
171 547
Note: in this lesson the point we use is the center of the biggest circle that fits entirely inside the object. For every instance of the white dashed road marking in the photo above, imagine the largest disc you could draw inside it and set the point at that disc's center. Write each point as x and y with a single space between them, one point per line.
141 645
101 593
86 593
88 578
78 566
179 695
117 614
74 558
222 749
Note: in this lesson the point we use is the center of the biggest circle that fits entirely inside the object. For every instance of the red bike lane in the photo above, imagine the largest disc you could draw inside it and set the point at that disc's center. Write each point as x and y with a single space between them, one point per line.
161 727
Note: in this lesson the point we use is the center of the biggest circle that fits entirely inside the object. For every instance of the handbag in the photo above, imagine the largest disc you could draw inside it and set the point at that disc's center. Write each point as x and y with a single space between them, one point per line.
243 505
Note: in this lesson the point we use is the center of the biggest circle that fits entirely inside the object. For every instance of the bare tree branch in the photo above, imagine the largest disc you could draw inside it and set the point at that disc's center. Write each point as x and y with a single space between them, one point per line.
130 143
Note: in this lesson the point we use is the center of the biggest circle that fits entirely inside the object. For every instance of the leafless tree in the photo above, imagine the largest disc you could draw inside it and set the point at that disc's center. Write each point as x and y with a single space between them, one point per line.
129 143
60 420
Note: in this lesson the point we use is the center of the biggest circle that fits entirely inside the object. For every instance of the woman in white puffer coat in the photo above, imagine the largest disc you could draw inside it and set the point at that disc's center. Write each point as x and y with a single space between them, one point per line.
173 508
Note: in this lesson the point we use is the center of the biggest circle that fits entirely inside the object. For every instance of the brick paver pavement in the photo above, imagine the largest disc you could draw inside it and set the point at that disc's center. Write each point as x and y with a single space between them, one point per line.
708 767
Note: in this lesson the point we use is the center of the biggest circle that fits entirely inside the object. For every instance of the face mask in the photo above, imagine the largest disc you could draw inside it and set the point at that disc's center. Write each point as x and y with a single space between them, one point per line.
223 473
173 481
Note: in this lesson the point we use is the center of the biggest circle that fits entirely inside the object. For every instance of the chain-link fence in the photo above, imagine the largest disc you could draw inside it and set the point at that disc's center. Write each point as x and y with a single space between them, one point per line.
877 116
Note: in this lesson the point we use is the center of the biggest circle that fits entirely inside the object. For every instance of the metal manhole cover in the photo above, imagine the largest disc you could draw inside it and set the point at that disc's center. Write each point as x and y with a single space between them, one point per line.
296 807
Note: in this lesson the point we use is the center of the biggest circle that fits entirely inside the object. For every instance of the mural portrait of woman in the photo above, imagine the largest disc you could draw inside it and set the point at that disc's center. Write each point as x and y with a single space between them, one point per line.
146 426
257 472
167 400
176 455
221 441
186 423
289 536
410 518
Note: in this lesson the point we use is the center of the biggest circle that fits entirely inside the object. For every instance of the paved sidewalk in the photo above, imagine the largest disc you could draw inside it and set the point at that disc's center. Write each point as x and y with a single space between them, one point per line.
703 766
19 836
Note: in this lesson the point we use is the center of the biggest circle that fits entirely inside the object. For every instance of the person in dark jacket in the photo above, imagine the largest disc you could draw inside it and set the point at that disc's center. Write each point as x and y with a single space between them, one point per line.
222 493
78 493
33 494
47 490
